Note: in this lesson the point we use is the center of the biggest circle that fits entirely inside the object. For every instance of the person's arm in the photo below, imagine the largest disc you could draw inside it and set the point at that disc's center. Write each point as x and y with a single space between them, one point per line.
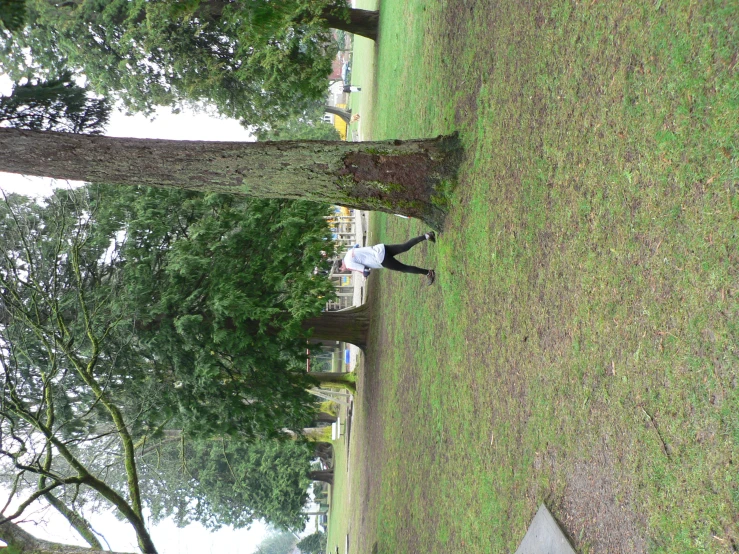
354 266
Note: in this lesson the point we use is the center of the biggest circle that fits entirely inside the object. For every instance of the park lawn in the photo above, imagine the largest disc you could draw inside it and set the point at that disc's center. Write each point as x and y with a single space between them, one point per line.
338 515
363 76
580 346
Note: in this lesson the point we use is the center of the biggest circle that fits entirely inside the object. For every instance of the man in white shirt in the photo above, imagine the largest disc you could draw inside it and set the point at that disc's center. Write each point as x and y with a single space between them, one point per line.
380 256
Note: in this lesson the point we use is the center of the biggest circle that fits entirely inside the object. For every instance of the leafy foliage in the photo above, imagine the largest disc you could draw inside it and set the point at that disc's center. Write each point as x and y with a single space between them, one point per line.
54 105
308 126
199 299
133 315
12 14
259 61
277 543
313 544
58 372
224 482
215 288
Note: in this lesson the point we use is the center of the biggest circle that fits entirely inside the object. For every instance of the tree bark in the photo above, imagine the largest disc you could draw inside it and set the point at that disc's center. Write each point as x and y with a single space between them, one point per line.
343 114
392 176
25 543
350 325
77 522
325 418
337 377
360 22
326 476
323 451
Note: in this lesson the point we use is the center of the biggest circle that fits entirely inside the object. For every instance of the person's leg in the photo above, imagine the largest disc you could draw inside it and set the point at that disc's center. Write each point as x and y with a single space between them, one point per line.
391 263
395 249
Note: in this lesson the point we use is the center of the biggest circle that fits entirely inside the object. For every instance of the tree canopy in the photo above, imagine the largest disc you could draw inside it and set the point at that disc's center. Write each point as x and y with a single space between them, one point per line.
217 286
131 313
313 544
307 126
12 14
220 481
55 105
277 543
58 371
201 296
256 61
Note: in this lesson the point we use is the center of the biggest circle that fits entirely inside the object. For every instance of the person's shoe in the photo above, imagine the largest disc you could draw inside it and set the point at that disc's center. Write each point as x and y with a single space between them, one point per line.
430 277
431 236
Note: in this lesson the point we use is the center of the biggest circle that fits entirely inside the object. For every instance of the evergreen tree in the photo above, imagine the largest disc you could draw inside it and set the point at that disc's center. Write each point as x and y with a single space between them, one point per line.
313 544
199 298
217 286
410 177
219 482
308 126
125 318
259 61
54 105
12 15
277 543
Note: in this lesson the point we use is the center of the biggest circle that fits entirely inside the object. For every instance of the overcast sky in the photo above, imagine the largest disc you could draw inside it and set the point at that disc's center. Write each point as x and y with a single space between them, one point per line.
193 539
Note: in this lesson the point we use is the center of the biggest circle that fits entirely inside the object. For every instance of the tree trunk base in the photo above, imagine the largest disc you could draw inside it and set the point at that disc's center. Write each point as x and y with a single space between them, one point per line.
326 476
350 325
361 22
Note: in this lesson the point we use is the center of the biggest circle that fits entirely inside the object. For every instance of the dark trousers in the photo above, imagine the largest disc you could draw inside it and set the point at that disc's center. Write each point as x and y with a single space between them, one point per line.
392 250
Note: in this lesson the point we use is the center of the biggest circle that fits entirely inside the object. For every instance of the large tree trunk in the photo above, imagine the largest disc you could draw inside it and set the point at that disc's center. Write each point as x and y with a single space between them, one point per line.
324 451
323 417
335 377
327 476
392 176
343 114
360 22
25 543
350 325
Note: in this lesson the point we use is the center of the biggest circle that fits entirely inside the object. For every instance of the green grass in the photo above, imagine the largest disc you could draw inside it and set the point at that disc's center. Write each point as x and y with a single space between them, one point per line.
338 516
585 322
363 75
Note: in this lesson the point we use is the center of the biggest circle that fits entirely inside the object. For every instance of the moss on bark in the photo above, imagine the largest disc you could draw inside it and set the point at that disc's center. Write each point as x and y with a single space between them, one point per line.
350 325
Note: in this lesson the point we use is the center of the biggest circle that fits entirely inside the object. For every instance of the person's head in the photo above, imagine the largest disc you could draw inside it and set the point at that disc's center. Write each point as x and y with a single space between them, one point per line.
343 266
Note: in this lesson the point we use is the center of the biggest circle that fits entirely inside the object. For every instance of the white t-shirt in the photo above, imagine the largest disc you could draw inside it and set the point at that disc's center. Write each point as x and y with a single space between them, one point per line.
369 256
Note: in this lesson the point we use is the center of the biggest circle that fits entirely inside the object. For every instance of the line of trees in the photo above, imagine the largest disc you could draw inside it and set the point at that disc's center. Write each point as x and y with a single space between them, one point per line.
154 324
140 322
259 61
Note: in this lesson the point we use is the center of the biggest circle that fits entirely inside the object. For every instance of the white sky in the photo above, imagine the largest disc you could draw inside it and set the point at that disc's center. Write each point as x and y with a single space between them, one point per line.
193 539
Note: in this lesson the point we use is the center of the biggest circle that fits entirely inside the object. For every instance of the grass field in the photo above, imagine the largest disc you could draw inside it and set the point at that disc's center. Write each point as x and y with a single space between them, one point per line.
581 344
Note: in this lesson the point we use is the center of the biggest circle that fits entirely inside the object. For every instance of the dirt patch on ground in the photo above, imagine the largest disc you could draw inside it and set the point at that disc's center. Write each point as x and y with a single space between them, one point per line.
369 439
596 509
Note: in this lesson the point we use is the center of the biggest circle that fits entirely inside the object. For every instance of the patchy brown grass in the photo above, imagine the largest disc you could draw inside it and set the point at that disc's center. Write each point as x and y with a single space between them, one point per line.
580 346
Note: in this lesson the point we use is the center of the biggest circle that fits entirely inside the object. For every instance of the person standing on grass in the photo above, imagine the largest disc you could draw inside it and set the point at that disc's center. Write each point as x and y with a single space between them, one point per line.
362 260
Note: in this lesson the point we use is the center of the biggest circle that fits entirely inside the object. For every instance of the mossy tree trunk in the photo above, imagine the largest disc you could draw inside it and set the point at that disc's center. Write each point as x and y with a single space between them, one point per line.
323 417
23 542
343 114
360 22
334 377
350 325
393 176
326 476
